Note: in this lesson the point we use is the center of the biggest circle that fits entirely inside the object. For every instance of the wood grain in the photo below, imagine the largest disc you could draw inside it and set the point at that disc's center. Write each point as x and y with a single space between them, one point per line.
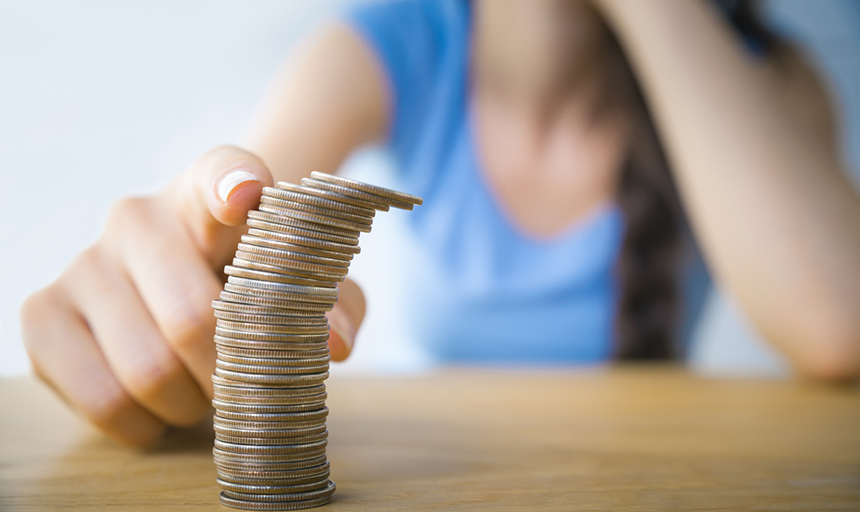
625 438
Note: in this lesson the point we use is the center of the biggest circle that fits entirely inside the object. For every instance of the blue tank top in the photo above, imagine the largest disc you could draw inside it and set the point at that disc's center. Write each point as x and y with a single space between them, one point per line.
488 293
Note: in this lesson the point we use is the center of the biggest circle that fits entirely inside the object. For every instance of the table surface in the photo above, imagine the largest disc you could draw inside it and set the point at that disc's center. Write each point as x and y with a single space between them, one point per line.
620 438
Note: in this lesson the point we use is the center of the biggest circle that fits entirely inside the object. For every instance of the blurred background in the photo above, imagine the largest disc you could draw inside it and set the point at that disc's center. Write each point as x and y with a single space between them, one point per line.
100 100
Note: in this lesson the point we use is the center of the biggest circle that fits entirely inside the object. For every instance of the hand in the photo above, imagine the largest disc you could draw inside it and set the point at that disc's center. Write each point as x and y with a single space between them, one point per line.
125 334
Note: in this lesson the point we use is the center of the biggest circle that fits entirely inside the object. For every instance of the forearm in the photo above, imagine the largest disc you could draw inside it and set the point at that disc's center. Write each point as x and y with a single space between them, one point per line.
779 223
328 100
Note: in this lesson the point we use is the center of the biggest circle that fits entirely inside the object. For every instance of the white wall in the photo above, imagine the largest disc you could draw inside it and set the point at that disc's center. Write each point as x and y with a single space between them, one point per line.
103 99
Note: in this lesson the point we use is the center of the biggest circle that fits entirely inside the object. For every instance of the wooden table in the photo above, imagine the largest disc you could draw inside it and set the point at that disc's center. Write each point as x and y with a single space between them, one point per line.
626 438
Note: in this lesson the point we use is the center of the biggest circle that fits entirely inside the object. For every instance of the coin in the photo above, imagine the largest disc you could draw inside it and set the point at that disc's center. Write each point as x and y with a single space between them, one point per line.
251 244
267 507
286 359
222 342
314 218
274 303
270 450
270 458
273 354
333 196
302 240
345 237
283 287
358 194
260 432
234 464
257 401
283 490
368 188
283 380
280 220
274 329
321 202
241 389
263 441
288 426
270 370
265 255
318 210
314 279
250 318
305 250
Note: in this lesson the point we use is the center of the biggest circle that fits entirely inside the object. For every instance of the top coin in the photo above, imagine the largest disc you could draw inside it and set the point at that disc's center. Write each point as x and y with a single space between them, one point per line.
370 189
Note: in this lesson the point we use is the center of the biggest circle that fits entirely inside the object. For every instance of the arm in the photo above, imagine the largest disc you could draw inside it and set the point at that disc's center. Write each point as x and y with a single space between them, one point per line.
765 191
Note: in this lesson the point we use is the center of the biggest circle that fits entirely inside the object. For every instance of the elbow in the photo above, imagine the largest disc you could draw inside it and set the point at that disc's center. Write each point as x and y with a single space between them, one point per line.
832 352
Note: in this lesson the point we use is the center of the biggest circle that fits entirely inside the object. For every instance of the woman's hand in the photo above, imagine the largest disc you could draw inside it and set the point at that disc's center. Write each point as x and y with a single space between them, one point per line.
125 333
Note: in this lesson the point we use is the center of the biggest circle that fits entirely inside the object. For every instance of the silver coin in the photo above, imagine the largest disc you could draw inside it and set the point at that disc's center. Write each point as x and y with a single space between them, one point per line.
229 405
287 426
271 458
281 380
315 279
386 193
307 251
243 389
274 329
273 354
222 342
298 254
283 287
263 255
250 309
222 481
323 220
264 336
262 488
236 464
318 400
249 318
291 360
271 507
302 240
279 295
277 417
288 474
270 433
358 194
317 210
287 490
301 196
243 271
265 441
344 239
270 370
280 220
333 196
299 449
273 303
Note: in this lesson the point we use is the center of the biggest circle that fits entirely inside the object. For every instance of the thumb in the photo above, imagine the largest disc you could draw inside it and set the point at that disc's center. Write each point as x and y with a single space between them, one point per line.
215 194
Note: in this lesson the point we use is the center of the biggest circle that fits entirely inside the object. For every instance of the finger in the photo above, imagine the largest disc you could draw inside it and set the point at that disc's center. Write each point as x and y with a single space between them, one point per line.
138 355
215 193
65 355
172 279
345 319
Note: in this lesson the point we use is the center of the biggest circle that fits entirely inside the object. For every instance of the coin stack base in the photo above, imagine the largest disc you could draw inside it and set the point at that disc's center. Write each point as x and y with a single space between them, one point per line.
271 338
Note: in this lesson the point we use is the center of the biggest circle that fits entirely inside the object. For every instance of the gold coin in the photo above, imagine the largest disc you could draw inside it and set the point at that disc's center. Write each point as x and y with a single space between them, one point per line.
385 193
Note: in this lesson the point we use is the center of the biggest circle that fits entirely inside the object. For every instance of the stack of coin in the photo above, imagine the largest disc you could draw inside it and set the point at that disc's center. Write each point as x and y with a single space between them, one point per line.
270 412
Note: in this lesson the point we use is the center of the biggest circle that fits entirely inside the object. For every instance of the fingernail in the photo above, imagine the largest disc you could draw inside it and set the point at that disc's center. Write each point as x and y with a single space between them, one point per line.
231 180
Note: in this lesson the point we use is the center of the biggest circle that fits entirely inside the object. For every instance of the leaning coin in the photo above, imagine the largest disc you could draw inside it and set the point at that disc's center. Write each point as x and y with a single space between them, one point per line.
318 210
307 251
350 239
316 278
358 194
297 253
281 380
366 187
270 450
263 231
301 196
280 220
270 370
326 194
271 507
323 220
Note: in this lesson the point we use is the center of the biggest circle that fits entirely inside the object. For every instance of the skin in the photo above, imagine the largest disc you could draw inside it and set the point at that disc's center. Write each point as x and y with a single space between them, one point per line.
125 333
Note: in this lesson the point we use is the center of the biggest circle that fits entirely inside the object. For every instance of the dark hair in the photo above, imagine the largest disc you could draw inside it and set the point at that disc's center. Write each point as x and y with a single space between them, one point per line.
647 323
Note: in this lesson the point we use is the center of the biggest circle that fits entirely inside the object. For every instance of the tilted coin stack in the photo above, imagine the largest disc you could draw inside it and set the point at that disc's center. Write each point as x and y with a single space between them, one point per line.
270 412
